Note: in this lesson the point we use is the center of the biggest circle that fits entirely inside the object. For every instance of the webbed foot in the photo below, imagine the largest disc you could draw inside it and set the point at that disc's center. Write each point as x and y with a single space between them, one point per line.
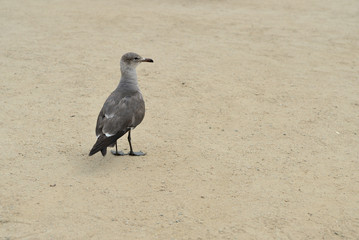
118 153
137 153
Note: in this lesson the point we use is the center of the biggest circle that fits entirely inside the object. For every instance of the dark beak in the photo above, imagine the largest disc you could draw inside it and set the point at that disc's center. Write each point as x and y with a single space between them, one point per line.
146 60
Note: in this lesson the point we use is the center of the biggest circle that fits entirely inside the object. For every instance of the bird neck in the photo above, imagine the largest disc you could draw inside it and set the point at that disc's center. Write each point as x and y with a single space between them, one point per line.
128 78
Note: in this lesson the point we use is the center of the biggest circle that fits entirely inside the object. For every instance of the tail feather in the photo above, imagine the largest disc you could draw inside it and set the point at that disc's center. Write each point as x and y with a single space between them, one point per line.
103 142
104 151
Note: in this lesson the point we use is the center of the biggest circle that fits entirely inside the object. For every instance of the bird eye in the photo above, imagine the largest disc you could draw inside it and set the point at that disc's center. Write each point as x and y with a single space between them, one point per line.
137 58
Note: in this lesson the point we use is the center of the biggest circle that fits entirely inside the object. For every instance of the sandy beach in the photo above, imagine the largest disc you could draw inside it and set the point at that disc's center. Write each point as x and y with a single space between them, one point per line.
251 128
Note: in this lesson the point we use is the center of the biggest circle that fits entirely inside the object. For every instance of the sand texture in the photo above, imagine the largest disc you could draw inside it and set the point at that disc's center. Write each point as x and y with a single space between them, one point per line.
251 128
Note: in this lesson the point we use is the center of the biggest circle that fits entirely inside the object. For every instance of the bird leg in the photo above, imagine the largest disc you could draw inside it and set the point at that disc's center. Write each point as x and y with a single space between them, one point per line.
117 153
132 153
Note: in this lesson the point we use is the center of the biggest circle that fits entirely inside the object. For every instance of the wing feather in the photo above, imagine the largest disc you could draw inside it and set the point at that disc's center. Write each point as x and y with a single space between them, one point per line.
118 114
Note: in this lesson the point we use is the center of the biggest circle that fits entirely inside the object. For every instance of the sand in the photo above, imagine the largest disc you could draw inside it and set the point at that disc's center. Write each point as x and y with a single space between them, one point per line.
251 129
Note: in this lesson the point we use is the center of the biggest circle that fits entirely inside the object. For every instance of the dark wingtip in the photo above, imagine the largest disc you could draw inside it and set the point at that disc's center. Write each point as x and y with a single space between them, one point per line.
92 152
95 150
103 142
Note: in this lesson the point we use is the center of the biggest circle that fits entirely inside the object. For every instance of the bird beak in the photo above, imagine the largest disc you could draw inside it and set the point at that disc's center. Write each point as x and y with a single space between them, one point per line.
146 60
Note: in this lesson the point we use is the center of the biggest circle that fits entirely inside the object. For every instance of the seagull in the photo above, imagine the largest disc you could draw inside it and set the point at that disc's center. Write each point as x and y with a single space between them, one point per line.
123 110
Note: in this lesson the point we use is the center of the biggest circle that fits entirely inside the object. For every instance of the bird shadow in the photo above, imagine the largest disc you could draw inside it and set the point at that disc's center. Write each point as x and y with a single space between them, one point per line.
97 163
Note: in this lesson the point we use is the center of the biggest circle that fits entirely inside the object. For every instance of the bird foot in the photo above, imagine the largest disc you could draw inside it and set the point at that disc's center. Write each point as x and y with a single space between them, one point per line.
137 153
118 153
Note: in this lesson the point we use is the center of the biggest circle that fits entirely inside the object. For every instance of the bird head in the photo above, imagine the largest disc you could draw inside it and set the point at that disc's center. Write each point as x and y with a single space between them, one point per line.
132 60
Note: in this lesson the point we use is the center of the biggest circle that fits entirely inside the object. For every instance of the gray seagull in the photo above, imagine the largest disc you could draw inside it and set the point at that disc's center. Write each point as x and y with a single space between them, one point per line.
123 110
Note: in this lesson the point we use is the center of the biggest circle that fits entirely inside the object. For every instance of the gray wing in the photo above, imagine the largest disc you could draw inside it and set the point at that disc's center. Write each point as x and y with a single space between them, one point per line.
119 113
